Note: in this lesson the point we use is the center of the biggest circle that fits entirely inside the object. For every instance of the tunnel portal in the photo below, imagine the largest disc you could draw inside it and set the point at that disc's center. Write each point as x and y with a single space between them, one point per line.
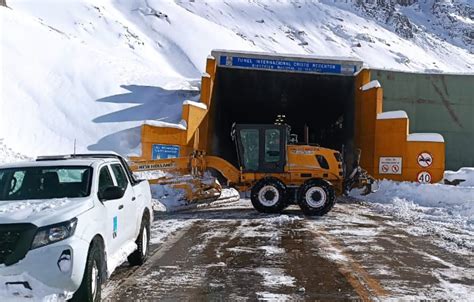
321 100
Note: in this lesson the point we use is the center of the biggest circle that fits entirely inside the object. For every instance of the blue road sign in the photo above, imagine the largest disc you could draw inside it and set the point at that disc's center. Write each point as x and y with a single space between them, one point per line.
282 65
165 151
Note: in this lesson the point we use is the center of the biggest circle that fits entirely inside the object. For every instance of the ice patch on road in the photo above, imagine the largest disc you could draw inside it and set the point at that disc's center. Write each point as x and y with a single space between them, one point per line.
362 232
272 250
275 277
266 296
161 229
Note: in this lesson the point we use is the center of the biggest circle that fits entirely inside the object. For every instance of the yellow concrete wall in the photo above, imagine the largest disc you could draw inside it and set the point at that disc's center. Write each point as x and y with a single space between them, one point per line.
389 138
195 118
368 105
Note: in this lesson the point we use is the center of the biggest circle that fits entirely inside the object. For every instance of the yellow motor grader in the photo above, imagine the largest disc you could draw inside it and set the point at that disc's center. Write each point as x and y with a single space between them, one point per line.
272 166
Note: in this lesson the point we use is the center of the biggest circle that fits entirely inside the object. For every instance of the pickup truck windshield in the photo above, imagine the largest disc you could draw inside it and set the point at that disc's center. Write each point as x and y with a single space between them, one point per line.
45 182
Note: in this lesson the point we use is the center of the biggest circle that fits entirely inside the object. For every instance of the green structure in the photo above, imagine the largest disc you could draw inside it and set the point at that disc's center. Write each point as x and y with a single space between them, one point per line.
441 103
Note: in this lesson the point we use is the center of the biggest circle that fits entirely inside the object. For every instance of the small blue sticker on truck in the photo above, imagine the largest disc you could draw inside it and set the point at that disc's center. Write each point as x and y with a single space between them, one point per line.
164 151
114 234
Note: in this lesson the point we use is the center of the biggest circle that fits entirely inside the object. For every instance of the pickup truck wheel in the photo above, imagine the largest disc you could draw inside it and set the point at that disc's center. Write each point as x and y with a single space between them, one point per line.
143 242
91 286
269 195
316 197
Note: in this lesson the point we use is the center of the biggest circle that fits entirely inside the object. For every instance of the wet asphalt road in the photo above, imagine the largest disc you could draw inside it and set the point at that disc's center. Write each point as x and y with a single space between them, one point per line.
239 255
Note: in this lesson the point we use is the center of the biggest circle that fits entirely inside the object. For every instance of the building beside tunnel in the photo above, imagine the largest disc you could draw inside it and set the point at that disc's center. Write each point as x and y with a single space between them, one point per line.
335 98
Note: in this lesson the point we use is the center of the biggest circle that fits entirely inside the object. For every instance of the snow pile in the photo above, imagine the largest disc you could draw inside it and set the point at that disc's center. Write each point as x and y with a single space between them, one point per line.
427 202
169 197
464 174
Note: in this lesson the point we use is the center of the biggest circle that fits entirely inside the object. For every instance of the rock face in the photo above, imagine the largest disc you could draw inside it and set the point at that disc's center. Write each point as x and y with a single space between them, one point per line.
450 20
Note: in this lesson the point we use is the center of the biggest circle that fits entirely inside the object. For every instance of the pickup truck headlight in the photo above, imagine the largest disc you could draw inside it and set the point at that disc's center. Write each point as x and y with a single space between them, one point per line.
54 233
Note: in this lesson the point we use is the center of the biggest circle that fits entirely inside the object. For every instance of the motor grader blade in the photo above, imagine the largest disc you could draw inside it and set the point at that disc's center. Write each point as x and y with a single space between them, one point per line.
194 188
360 179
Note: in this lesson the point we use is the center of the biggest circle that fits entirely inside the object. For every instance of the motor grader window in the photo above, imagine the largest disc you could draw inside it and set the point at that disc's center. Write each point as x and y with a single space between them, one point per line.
272 145
250 144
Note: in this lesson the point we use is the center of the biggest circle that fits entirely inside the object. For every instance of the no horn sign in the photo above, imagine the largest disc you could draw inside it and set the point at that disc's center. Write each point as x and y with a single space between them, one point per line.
425 159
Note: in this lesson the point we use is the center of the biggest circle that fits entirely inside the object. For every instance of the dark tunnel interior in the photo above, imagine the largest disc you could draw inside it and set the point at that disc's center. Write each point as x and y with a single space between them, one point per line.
323 102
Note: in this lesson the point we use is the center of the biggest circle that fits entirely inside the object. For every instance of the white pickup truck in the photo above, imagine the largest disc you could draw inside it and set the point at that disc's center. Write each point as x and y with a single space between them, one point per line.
66 222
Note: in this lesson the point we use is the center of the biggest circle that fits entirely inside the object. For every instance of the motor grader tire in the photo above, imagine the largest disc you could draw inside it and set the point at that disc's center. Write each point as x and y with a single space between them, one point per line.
268 195
316 197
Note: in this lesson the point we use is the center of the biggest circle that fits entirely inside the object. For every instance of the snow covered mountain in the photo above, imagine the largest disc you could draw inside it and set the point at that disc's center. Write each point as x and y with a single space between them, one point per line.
90 71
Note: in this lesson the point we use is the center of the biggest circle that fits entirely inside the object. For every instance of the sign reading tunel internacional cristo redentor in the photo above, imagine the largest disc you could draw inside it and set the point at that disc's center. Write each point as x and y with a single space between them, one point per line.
287 63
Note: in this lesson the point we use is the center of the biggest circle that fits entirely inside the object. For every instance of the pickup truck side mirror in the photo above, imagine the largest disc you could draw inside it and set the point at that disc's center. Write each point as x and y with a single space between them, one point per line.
112 193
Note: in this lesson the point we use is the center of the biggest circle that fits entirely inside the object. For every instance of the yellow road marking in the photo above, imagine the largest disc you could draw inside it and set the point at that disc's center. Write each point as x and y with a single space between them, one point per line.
367 287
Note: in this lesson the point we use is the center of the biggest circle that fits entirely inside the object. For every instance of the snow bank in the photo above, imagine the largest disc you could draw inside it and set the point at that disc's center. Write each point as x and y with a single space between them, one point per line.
435 202
466 174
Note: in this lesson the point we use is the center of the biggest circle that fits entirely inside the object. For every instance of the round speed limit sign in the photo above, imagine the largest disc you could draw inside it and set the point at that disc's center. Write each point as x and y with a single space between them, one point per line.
424 177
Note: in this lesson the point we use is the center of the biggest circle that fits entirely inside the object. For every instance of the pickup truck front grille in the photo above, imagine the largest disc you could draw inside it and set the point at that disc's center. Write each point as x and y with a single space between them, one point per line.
15 241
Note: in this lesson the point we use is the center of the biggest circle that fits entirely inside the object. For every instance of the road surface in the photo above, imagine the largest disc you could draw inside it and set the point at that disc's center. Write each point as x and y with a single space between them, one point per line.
234 253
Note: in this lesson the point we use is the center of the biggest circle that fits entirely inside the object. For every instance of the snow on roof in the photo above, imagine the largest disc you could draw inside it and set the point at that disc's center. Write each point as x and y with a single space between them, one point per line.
392 115
55 163
195 104
425 137
370 85
182 125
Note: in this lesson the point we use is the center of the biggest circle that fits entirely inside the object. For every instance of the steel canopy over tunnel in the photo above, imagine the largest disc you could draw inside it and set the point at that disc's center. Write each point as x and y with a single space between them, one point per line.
255 88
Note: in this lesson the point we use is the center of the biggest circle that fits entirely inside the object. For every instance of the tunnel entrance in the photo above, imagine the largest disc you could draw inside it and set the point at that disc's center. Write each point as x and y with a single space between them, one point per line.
323 102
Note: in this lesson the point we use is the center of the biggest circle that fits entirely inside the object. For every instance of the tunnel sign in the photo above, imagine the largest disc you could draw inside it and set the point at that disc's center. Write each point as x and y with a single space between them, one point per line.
164 151
390 165
424 159
424 177
279 64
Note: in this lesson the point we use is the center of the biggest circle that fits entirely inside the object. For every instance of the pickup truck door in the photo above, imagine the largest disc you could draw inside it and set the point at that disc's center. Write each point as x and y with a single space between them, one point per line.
113 208
130 203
